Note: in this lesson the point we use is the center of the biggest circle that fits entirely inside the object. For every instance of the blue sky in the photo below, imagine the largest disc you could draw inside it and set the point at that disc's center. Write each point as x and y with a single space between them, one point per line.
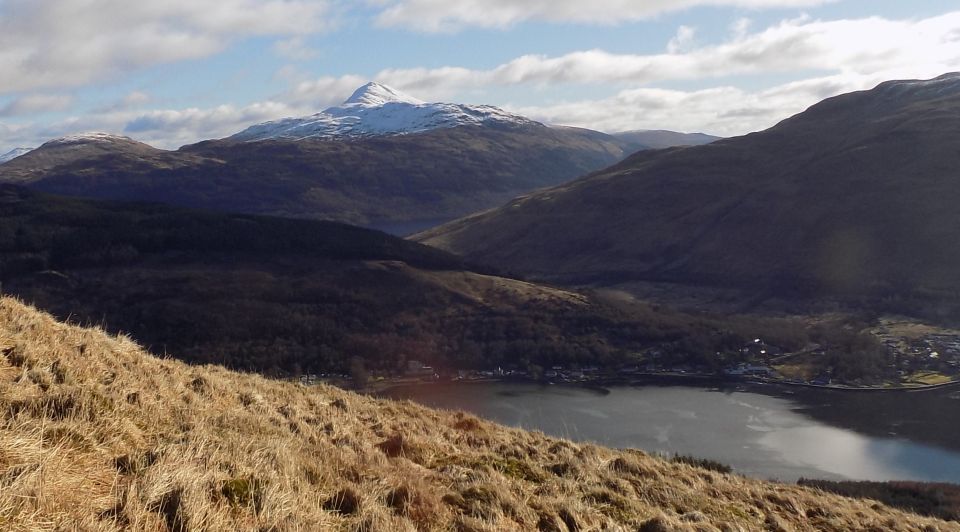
179 71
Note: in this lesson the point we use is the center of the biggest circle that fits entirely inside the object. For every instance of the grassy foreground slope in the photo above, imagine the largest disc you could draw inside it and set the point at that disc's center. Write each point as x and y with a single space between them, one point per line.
98 435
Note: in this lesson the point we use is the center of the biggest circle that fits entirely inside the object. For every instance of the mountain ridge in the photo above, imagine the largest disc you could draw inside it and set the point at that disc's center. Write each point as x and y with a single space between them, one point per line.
454 161
379 181
89 149
851 198
658 139
13 154
377 110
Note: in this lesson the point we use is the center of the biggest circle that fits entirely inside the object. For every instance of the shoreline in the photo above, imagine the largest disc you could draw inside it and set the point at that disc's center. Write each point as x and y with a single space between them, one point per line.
640 379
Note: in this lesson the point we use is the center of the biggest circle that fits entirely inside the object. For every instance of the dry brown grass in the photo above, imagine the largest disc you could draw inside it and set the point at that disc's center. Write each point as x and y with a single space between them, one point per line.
97 435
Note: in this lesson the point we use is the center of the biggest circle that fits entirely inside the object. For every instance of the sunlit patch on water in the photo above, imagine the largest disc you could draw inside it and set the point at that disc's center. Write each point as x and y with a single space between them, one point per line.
758 435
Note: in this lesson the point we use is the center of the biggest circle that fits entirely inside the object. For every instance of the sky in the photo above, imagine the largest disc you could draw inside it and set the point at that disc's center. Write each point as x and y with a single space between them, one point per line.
174 72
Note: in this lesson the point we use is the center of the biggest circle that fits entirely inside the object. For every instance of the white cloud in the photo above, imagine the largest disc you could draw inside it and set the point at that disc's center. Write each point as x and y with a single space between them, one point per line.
134 99
323 92
904 48
15 136
682 40
294 48
740 27
452 15
36 103
824 57
724 111
61 43
163 128
848 54
173 128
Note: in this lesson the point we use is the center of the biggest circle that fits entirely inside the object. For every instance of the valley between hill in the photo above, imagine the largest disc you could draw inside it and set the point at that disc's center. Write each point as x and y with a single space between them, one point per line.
299 297
850 203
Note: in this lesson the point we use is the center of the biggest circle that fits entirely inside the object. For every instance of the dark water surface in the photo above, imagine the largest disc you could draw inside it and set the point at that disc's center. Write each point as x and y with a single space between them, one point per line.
761 431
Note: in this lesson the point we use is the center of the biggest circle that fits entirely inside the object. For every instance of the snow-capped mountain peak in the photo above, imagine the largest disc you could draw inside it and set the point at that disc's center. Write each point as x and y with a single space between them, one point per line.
374 94
14 153
378 110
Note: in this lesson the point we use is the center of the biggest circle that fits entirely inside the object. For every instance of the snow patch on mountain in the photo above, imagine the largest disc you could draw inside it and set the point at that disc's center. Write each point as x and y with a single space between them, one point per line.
13 154
374 94
377 110
82 138
944 85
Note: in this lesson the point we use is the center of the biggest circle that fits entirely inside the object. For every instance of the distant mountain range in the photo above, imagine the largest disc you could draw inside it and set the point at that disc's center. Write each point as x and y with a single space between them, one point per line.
375 110
382 159
854 198
80 157
13 154
658 139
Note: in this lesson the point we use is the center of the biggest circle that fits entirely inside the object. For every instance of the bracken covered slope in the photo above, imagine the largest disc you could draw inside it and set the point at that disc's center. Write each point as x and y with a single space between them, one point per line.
97 435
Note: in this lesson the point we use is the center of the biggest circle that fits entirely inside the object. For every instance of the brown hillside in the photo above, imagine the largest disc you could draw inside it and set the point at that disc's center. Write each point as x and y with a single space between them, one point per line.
437 175
115 151
97 435
855 198
300 296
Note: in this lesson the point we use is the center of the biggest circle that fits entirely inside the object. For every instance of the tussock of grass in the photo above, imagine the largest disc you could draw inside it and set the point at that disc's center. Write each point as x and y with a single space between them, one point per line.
97 435
703 463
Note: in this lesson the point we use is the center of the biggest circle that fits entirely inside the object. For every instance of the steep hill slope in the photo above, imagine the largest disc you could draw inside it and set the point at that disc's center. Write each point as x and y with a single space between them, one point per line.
429 176
97 435
854 198
289 296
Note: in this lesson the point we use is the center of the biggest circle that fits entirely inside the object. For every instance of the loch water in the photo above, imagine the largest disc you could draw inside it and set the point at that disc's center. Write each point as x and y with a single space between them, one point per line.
763 431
